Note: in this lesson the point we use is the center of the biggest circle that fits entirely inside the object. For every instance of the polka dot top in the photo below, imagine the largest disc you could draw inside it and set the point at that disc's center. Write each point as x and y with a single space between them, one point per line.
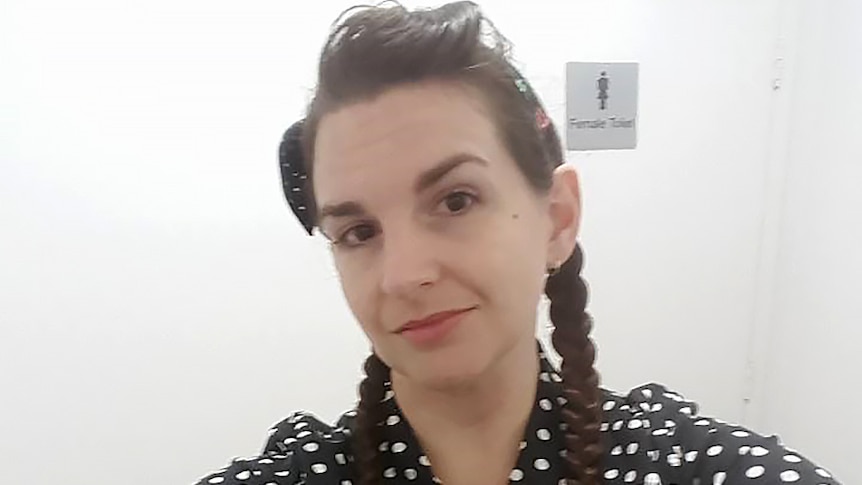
651 436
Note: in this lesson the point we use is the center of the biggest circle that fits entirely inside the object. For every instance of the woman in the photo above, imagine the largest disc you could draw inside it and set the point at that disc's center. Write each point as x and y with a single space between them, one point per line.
431 166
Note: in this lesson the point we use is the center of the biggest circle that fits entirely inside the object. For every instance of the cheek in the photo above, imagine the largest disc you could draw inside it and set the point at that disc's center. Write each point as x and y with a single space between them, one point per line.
358 292
510 261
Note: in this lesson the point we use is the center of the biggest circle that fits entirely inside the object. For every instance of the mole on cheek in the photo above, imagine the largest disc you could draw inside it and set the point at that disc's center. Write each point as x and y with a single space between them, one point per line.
515 215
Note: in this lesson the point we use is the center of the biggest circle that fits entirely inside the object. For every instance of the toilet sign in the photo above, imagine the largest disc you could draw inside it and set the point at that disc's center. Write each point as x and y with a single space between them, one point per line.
601 105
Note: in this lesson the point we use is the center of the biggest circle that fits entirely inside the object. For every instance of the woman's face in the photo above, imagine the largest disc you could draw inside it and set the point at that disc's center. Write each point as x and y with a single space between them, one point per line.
429 213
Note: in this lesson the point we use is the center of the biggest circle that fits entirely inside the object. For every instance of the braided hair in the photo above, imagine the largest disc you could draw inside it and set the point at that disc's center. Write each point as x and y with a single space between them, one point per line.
376 48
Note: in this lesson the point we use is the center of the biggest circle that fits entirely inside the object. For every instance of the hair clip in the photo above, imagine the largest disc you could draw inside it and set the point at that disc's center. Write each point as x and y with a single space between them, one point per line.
542 120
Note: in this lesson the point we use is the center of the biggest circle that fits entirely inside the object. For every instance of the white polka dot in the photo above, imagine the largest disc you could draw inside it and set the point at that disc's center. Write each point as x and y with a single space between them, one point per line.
389 472
410 474
741 434
652 479
715 450
685 410
611 474
289 441
691 456
346 482
823 473
755 471
556 377
393 420
545 404
282 473
545 377
618 425
605 427
243 475
389 395
792 459
609 405
543 434
789 476
630 476
635 424
266 461
383 446
743 450
654 455
303 434
647 393
522 445
759 451
216 479
660 432
516 475
311 447
424 461
656 407
318 468
398 447
340 459
632 448
701 422
674 460
718 478
541 464
618 450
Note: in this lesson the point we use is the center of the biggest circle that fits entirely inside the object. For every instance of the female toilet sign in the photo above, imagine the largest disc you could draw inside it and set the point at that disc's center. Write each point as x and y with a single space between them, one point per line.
601 105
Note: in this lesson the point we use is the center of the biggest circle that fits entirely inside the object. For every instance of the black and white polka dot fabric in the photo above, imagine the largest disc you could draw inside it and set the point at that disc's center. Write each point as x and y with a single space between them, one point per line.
652 436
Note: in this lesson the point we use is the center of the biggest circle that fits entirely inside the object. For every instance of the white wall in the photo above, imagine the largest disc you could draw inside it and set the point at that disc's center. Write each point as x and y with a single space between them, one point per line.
810 381
160 308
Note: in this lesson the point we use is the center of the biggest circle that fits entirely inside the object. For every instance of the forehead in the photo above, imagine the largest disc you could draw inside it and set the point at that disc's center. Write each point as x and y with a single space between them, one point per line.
381 143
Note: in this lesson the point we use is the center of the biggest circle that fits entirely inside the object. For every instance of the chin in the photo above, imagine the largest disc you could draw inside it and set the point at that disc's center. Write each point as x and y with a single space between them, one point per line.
446 369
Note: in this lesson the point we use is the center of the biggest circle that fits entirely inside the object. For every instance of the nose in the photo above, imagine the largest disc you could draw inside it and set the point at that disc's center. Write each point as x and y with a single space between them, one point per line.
409 263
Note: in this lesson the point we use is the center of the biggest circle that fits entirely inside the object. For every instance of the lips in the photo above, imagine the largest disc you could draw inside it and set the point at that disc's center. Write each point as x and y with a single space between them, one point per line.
432 319
433 331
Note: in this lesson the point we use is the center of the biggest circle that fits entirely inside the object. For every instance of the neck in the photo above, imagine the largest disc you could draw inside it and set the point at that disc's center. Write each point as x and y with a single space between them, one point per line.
485 418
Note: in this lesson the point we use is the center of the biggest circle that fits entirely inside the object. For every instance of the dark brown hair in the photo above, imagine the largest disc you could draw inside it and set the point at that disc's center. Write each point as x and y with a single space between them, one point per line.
376 48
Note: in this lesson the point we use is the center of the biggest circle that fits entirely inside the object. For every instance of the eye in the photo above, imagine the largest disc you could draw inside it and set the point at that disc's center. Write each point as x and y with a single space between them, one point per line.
458 201
356 235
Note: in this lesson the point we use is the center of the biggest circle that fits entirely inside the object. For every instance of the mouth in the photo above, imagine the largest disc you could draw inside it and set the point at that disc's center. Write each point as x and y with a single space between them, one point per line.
432 320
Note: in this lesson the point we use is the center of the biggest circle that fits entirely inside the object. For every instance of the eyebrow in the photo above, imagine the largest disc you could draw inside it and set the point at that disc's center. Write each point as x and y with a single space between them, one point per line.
425 180
436 173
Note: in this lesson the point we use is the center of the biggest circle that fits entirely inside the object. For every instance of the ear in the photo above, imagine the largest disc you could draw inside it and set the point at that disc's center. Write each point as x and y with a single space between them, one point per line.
564 206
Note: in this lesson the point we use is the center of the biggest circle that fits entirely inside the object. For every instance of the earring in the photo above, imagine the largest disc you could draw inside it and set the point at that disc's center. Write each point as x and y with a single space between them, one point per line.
553 269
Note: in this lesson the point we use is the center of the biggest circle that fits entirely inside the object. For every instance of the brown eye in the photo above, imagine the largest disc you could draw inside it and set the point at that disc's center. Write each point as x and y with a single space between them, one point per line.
457 202
356 235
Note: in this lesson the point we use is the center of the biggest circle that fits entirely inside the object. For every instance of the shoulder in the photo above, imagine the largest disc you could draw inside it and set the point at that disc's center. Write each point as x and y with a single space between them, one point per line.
303 430
658 435
647 400
296 447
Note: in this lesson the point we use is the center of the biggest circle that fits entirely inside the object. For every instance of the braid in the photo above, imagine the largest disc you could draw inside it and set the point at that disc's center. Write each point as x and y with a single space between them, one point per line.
582 411
369 416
